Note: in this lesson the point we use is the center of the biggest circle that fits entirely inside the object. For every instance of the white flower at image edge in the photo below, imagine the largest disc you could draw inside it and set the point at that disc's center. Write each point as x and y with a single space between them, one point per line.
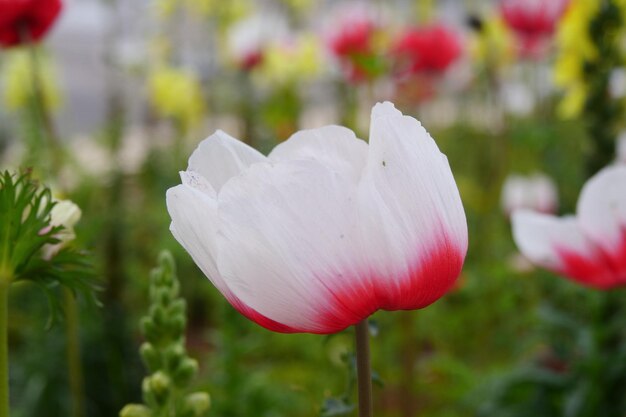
327 229
64 213
590 247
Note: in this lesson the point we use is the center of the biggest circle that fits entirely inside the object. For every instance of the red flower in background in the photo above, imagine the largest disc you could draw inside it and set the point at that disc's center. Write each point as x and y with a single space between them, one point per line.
533 21
35 17
355 38
431 49
353 44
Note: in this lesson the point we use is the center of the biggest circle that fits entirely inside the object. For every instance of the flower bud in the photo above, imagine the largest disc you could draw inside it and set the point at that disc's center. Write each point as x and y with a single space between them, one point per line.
185 371
157 388
198 403
135 410
150 356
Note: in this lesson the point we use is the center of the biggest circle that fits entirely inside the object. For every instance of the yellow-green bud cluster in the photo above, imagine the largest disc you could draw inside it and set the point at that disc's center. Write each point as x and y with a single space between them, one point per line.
164 353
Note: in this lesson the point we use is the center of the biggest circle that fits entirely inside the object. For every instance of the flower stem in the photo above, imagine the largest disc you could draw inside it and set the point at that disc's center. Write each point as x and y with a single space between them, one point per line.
364 373
74 365
39 99
4 346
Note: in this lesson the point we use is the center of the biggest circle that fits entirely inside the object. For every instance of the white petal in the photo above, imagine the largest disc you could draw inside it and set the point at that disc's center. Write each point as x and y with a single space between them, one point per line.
334 146
560 244
287 244
194 225
602 208
221 157
540 236
410 211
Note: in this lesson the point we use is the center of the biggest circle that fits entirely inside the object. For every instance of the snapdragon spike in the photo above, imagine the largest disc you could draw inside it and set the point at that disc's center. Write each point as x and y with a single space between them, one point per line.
589 248
327 229
26 20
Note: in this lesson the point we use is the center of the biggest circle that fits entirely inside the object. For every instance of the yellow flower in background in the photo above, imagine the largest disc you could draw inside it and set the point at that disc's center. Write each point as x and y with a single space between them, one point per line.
17 81
177 93
494 45
574 49
297 60
299 6
224 12
573 101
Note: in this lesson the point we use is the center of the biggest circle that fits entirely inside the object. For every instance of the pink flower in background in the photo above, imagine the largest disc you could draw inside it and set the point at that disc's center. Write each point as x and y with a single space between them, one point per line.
327 229
533 21
351 38
536 192
430 49
589 248
35 17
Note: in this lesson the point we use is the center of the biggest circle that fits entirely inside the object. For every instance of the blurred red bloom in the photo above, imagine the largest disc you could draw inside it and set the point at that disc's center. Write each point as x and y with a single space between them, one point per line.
353 39
430 49
533 21
34 17
251 60
353 45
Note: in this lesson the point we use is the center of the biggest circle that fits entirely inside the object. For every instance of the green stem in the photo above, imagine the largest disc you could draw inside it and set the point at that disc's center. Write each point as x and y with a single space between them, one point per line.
73 355
364 372
39 100
4 346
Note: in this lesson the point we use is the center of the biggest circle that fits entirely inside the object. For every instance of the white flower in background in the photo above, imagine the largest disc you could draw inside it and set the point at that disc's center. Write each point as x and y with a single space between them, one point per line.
518 98
536 192
327 229
64 213
590 247
617 83
248 38
620 148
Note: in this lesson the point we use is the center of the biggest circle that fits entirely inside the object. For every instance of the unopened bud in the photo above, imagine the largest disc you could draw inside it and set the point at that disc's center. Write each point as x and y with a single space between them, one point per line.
135 410
185 371
198 403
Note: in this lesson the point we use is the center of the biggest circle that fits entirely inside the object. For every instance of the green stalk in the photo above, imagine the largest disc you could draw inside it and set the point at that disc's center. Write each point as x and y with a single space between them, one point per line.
74 364
364 372
5 282
44 118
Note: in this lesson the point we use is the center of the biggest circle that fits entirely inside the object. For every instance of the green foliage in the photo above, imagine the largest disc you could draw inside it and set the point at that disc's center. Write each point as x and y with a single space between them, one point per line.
24 226
579 372
24 231
164 353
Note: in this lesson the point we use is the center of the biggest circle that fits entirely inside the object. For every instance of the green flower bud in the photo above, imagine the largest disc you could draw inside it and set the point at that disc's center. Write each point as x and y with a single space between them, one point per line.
157 388
150 356
174 355
135 410
197 403
185 371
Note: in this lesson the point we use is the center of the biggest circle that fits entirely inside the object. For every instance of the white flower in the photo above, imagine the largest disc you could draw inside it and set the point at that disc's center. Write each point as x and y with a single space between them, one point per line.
327 229
537 192
64 213
590 247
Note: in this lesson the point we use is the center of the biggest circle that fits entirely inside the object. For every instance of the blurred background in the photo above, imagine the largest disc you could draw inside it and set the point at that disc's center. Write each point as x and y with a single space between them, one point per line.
525 98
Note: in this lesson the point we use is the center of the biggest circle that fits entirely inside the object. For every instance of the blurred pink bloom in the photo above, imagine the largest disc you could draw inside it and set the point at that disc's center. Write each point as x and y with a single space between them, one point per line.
430 49
350 36
589 248
533 21
33 16
327 229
